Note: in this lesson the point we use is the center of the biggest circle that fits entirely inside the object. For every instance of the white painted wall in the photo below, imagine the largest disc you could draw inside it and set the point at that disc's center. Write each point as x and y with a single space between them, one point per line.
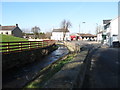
59 36
111 31
6 31
114 26
99 37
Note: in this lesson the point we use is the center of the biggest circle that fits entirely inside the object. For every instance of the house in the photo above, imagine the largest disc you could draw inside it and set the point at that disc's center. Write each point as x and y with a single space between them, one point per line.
11 30
88 37
85 37
75 36
111 29
101 32
60 34
99 37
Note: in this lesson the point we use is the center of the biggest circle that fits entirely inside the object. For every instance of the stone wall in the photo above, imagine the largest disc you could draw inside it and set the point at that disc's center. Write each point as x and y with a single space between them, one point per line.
73 47
19 59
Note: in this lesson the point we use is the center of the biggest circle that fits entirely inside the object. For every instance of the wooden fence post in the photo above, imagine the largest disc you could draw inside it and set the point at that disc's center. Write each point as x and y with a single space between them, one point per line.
21 46
8 47
43 43
29 45
38 44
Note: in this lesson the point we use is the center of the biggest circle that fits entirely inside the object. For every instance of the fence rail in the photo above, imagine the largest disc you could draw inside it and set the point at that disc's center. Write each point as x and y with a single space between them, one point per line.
8 47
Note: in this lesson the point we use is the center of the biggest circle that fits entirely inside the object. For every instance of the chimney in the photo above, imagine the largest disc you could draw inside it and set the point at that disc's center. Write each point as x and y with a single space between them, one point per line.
16 25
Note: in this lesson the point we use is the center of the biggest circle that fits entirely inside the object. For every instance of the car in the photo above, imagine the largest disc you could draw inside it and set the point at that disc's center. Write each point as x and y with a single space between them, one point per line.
116 44
89 40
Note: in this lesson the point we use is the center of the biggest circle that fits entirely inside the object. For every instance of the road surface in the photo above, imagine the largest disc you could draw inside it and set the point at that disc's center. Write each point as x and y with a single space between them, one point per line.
105 69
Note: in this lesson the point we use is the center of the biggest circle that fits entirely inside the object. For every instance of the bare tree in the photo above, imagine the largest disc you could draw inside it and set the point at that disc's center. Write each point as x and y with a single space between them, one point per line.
48 35
98 29
36 31
65 25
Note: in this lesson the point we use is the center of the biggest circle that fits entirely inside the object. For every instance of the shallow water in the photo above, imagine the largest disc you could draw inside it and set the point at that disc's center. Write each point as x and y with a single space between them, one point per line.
19 77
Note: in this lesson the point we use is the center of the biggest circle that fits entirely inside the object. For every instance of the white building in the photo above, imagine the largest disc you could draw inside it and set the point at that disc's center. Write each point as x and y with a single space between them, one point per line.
101 32
112 31
11 30
99 37
60 34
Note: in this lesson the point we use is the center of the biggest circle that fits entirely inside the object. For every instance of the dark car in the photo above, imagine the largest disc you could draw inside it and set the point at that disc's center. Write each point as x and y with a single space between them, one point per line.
116 44
89 40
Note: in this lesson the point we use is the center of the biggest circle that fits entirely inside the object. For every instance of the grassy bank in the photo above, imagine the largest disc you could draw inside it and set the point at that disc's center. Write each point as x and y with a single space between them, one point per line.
40 81
9 38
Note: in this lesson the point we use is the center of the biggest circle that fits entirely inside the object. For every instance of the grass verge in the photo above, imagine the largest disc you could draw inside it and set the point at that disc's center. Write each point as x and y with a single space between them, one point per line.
42 79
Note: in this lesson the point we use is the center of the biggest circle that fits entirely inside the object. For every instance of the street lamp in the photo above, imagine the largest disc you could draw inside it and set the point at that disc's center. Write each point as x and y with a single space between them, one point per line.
84 23
96 28
79 27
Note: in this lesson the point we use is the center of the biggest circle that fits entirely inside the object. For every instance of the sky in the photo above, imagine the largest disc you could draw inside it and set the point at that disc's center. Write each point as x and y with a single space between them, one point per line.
49 15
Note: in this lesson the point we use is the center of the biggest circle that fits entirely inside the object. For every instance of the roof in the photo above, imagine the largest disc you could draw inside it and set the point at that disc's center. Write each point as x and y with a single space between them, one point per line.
87 35
7 27
106 21
60 30
100 32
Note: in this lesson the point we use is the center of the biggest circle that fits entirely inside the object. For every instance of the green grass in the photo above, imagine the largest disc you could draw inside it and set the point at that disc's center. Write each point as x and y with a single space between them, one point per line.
9 38
39 82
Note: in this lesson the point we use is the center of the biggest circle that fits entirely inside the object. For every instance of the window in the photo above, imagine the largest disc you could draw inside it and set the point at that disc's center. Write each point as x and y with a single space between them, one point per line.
6 33
1 32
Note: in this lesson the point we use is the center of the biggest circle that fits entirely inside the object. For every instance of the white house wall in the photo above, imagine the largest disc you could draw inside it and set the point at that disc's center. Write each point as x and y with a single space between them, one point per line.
112 30
59 36
99 37
114 27
67 36
5 31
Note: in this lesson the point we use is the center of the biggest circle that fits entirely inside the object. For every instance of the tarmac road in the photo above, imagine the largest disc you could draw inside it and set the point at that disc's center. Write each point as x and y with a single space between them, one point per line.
105 69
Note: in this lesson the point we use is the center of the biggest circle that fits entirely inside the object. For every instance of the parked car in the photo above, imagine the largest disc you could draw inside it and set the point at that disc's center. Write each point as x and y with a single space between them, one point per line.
89 40
116 44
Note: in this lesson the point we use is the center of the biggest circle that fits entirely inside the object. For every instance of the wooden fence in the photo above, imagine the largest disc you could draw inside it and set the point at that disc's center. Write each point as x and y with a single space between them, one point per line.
8 47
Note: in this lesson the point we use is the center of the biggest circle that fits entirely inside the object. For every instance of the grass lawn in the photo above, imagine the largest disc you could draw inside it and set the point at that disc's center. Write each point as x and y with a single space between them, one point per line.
9 38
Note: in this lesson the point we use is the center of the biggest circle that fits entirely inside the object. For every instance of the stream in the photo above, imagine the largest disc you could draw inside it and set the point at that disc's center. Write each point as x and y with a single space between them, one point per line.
17 78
